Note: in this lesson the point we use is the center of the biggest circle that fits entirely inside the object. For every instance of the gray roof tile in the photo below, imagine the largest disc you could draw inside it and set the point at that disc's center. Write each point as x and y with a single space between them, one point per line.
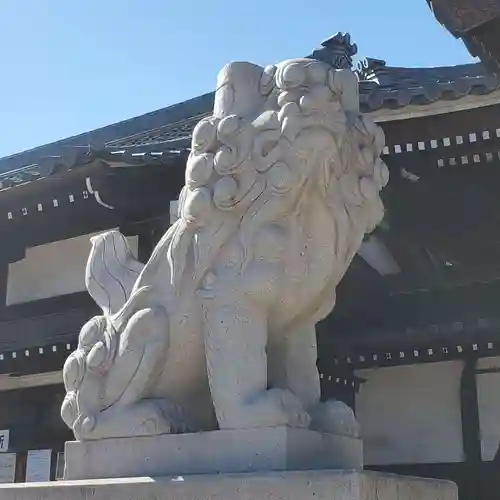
112 156
108 134
168 130
393 87
177 131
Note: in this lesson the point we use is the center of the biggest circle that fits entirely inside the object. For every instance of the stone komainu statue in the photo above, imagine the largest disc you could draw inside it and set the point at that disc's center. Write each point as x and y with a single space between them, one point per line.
217 330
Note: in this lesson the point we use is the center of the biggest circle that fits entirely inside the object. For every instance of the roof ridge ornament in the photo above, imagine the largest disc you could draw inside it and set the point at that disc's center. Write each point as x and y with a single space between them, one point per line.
337 51
370 68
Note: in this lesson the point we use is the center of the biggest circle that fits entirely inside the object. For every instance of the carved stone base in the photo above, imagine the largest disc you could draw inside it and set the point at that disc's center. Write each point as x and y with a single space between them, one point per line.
228 451
305 485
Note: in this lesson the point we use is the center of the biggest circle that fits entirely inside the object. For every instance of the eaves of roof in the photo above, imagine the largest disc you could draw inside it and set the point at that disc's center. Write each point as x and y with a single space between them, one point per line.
111 157
396 88
387 89
166 133
99 138
462 16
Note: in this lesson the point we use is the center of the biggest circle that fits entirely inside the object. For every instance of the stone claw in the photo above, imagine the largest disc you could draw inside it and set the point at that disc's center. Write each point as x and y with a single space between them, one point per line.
275 407
334 417
145 418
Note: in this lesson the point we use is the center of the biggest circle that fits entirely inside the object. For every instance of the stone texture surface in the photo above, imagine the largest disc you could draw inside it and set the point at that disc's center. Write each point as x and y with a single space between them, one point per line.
227 451
282 184
320 485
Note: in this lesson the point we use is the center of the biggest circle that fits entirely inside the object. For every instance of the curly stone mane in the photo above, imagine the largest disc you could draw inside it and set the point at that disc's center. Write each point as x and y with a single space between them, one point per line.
243 172
282 183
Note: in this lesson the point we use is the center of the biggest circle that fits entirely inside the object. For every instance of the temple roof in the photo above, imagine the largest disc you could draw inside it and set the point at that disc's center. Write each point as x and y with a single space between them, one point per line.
394 87
476 22
383 90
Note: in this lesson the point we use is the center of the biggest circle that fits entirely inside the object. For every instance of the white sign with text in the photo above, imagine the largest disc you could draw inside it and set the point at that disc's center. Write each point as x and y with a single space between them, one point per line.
38 466
7 467
4 440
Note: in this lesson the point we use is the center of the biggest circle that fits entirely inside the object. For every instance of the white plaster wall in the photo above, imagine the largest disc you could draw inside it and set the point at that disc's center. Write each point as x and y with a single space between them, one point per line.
51 270
411 414
488 394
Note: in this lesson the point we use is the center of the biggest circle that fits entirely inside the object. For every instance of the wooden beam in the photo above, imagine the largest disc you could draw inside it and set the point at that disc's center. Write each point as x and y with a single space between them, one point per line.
471 431
9 383
469 408
145 245
484 42
4 277
461 16
448 124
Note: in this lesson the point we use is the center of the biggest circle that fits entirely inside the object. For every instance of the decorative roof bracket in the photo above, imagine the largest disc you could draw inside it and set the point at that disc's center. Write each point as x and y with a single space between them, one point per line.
337 51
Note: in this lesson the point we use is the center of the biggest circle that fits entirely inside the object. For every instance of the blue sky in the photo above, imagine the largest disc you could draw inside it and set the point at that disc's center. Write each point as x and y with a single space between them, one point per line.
71 66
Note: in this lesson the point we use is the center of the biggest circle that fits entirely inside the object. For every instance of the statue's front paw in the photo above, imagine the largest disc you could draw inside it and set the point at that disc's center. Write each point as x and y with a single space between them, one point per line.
277 407
145 418
335 417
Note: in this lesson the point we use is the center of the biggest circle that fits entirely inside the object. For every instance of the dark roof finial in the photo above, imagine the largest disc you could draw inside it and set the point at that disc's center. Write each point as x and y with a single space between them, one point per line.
370 68
337 51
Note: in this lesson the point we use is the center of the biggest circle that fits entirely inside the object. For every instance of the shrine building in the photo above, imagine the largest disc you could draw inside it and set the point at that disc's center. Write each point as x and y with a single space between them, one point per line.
414 341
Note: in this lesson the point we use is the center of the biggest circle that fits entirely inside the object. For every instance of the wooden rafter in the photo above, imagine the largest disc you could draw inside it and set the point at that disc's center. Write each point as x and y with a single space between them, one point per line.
476 22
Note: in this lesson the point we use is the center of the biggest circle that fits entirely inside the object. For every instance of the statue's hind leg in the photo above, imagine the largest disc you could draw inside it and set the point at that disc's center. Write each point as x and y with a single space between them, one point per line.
235 344
108 386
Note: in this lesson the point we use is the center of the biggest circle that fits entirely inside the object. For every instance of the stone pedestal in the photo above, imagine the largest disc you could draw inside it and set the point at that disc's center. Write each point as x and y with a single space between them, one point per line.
227 451
301 485
249 464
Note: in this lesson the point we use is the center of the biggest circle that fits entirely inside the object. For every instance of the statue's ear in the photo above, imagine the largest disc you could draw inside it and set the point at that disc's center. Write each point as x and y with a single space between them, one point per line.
239 91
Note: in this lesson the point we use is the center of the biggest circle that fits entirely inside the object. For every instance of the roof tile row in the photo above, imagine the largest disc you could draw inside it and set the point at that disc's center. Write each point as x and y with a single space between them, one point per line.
167 131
